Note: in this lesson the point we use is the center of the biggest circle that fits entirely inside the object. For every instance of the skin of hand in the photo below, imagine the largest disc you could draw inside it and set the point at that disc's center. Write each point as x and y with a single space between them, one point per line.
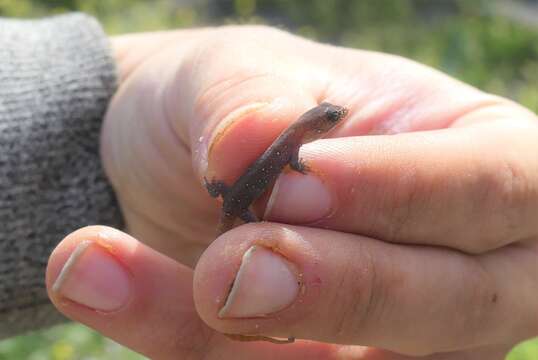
415 232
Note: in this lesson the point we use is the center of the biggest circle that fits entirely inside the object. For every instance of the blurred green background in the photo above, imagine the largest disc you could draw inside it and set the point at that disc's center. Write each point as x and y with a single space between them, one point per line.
490 44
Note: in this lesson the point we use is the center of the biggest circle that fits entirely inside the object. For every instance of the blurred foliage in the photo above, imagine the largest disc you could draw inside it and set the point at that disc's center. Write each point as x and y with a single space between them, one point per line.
525 351
64 342
468 39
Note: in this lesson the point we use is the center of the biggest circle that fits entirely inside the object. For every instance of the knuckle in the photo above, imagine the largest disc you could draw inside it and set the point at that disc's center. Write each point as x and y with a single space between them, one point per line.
503 194
514 190
228 43
361 296
220 73
405 205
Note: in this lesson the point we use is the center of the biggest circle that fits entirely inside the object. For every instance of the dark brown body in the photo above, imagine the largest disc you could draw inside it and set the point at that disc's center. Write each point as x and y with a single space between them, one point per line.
238 198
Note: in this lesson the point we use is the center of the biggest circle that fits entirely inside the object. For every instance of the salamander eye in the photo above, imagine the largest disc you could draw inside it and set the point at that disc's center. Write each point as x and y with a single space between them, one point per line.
336 113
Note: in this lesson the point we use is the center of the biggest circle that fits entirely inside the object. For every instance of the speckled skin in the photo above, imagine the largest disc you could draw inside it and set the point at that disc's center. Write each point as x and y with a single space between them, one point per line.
238 198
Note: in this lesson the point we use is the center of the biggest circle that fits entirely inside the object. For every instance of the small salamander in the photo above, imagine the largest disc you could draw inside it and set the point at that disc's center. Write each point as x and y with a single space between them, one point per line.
238 198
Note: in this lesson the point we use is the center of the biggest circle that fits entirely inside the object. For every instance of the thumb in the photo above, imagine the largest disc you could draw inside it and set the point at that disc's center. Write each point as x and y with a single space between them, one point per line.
230 100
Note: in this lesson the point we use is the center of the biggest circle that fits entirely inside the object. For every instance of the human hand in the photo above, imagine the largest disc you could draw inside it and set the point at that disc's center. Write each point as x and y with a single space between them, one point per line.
446 193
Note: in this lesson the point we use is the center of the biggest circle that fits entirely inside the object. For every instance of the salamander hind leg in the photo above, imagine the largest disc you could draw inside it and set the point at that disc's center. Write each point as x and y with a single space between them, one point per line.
248 216
299 164
226 223
216 187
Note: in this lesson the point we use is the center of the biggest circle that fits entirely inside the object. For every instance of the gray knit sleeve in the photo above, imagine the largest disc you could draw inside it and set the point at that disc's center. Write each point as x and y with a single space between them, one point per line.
56 78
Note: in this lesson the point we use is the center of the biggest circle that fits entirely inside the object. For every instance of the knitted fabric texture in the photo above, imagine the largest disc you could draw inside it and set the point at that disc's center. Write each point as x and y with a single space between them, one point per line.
56 78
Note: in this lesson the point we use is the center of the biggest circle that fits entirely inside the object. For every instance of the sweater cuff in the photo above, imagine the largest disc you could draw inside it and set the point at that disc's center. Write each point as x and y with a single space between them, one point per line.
57 77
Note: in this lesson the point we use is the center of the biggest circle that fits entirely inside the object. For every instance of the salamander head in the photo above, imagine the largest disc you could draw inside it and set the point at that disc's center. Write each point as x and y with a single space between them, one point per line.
334 113
319 120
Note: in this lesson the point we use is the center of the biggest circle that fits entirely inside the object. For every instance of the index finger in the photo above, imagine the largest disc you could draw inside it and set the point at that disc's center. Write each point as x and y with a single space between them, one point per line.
469 188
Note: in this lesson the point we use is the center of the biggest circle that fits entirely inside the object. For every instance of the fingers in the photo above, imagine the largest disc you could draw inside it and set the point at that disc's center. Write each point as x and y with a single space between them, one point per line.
470 188
241 86
328 286
126 291
141 299
109 281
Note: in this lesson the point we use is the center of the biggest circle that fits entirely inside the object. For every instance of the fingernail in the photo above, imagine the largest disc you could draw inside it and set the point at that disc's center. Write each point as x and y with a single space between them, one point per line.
264 284
94 278
202 149
298 198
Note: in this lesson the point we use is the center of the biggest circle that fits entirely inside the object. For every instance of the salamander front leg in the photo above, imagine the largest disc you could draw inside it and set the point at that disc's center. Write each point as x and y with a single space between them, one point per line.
216 188
298 164
248 216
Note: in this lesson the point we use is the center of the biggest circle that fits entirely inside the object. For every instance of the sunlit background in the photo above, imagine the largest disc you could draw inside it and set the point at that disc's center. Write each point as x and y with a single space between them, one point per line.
490 44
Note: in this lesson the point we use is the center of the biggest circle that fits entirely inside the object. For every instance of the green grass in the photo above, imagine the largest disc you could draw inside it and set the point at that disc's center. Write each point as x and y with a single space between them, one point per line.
525 351
64 342
468 40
